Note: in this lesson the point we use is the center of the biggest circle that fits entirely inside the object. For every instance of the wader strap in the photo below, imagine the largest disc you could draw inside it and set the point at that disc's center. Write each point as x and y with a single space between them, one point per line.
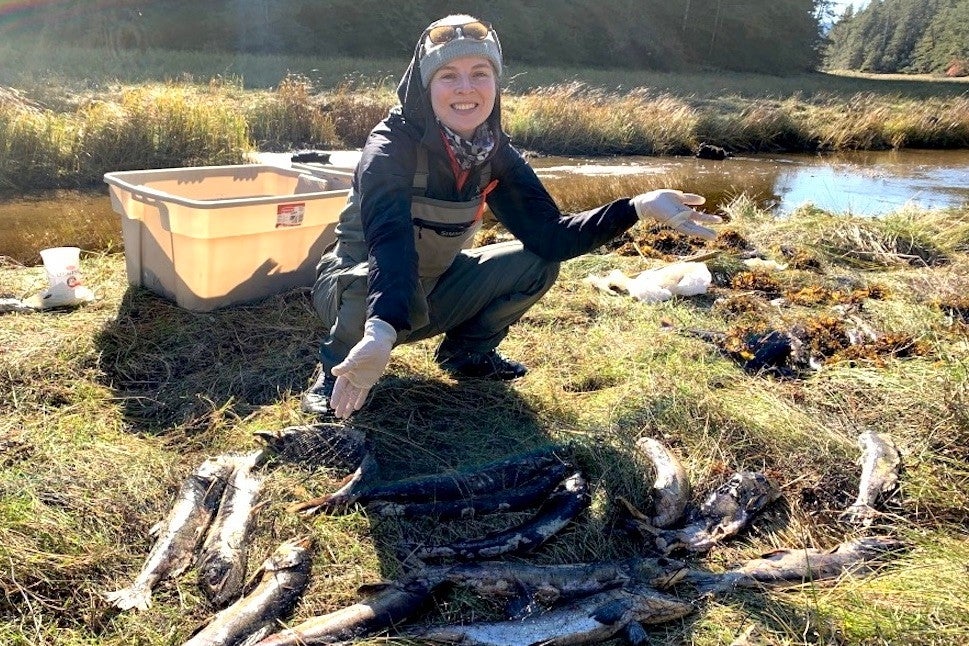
421 173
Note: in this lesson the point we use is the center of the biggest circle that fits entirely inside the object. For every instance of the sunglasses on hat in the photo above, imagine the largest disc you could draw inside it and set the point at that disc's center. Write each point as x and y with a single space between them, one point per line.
477 30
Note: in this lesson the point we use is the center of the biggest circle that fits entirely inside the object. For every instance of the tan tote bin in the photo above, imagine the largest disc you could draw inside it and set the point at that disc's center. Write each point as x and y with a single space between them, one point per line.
212 236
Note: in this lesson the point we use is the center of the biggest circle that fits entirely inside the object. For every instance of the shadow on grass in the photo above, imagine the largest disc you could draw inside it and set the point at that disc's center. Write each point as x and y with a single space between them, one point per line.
172 368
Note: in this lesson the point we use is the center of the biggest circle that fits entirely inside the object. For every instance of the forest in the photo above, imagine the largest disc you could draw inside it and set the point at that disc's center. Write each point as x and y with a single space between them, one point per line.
663 35
903 36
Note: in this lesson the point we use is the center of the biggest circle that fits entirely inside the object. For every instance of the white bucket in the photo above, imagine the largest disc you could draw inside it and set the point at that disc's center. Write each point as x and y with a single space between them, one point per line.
63 266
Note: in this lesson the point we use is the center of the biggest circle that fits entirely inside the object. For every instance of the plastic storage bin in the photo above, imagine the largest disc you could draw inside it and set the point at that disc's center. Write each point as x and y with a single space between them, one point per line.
211 236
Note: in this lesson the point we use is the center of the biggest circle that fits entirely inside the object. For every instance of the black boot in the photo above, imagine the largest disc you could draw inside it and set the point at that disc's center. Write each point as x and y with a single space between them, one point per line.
316 399
480 365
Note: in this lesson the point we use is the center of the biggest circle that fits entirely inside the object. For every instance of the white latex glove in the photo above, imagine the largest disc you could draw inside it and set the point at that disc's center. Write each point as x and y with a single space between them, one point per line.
357 374
672 208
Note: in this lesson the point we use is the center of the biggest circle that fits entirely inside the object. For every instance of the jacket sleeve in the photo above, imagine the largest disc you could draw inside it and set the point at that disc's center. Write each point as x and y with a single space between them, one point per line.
522 204
384 178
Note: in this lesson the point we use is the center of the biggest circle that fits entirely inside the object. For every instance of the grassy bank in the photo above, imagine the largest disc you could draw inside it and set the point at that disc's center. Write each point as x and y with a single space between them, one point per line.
67 117
108 407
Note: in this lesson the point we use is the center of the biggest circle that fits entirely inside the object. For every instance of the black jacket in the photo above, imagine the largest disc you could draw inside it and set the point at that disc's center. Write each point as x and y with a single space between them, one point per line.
384 177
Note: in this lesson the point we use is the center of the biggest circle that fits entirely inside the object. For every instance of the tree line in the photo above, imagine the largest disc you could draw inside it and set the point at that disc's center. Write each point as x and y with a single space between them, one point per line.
907 36
771 36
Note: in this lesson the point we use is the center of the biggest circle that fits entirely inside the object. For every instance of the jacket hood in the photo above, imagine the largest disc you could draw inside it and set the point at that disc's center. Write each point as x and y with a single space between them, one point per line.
415 104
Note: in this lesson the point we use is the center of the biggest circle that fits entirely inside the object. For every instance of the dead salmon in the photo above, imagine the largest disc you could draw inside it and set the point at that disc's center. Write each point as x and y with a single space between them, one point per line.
671 487
393 498
796 566
346 495
179 534
562 505
725 513
223 558
545 585
283 578
395 603
340 447
588 620
880 464
529 494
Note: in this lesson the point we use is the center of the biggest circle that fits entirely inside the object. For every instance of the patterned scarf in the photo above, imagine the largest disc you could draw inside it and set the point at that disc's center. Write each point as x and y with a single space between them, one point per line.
470 153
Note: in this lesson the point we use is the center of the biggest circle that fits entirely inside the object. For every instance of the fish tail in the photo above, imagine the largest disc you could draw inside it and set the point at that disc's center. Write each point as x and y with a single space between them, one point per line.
136 596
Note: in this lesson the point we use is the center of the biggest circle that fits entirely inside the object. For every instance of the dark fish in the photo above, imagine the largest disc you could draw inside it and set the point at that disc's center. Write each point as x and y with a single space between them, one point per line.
880 464
504 474
343 497
284 576
393 604
588 620
325 445
501 501
511 473
180 534
222 561
562 505
725 513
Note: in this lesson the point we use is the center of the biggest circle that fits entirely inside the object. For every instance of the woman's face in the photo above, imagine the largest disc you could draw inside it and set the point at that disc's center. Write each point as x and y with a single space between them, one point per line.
463 93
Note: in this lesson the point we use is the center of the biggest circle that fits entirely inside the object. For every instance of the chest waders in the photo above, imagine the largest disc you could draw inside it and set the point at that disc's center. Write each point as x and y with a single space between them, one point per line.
456 285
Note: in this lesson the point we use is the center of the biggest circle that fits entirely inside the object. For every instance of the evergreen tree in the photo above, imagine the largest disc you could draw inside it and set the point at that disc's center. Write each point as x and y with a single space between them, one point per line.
922 36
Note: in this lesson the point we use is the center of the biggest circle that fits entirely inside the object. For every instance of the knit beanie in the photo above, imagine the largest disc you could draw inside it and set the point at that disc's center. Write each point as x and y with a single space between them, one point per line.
434 57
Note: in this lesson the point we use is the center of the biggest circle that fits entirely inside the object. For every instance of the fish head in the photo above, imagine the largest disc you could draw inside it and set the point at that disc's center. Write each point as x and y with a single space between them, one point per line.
290 554
213 469
221 579
661 572
745 491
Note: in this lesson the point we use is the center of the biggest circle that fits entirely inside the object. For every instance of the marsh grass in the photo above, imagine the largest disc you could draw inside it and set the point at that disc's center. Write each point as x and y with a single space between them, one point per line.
68 115
109 406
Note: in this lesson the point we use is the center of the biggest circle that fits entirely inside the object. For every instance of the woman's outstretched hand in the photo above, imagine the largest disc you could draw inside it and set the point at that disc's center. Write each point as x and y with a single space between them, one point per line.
672 208
364 365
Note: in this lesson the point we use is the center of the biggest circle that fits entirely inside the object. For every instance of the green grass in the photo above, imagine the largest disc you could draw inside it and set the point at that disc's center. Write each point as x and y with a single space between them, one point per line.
108 407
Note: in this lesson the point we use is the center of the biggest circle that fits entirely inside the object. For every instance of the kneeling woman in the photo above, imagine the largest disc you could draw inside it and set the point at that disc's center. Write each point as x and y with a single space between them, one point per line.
400 270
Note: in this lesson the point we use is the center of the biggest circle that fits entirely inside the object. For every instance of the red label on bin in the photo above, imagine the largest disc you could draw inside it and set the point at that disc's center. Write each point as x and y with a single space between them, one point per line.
290 215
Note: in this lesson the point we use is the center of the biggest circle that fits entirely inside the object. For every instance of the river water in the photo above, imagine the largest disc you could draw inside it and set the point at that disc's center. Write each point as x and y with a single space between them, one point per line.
868 184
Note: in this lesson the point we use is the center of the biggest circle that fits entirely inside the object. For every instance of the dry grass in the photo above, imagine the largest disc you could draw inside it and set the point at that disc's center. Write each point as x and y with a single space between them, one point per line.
108 407
53 137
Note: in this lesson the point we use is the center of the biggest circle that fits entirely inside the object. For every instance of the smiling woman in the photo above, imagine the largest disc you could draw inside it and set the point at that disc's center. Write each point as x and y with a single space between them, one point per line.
400 271
463 94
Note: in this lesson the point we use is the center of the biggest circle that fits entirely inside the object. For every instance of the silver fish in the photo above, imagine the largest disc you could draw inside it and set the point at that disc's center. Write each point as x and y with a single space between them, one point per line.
725 513
393 604
222 561
179 535
549 584
880 464
792 567
589 620
671 488
284 577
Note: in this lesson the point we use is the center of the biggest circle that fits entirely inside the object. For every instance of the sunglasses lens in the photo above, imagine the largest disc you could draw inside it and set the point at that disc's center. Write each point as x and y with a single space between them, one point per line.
475 30
442 34
446 33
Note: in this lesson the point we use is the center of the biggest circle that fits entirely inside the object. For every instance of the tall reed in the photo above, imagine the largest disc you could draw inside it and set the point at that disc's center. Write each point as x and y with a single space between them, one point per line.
58 139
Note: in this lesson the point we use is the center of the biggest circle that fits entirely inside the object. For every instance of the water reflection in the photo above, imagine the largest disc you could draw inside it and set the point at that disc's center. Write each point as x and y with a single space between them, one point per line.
864 183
